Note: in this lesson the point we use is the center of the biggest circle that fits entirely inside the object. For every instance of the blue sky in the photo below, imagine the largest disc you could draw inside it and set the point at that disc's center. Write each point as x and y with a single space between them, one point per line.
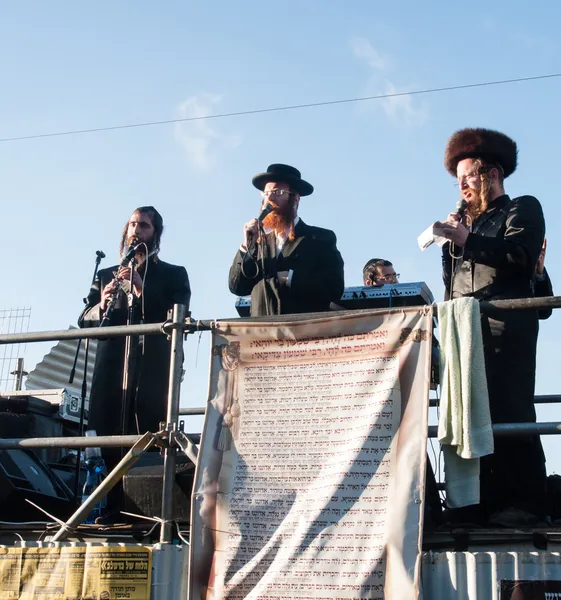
376 165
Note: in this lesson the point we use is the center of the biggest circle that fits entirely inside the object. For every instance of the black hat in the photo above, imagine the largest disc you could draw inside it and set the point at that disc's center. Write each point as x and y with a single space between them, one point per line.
490 146
283 174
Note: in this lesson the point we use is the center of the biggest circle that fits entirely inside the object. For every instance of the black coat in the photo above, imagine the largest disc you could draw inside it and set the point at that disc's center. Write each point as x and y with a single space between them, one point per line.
165 286
498 262
543 289
317 278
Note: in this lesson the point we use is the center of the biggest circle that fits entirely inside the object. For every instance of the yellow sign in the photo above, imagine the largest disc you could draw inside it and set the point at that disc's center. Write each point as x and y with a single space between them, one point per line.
76 573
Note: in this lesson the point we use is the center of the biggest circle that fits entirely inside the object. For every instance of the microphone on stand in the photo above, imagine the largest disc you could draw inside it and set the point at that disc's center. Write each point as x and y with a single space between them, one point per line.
129 254
100 254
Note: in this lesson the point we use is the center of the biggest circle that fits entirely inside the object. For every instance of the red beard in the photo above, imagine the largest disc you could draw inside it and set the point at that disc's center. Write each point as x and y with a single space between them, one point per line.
281 220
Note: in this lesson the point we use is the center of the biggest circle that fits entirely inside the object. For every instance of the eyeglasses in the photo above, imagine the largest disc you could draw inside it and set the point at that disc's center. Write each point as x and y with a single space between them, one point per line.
275 193
464 178
389 278
473 175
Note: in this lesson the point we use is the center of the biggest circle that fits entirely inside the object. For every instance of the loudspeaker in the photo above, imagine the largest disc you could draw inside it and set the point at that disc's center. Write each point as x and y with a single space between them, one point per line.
143 487
24 475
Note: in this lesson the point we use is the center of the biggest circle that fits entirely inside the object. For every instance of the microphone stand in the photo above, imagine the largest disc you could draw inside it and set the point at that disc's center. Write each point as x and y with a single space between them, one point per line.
130 360
99 255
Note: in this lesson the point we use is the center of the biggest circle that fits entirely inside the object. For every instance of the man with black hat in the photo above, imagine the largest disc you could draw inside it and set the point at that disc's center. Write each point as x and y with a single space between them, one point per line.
492 255
287 266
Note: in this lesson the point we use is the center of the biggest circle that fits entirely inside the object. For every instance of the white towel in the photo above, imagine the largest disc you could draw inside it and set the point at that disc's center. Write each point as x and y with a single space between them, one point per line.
464 427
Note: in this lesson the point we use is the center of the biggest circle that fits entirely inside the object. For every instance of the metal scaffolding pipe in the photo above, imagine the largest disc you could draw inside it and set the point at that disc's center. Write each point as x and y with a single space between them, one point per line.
102 441
170 451
542 399
198 410
515 429
192 326
522 303
78 334
105 486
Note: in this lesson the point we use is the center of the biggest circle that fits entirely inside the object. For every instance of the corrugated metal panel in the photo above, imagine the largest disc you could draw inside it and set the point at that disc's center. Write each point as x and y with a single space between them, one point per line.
477 575
169 566
54 370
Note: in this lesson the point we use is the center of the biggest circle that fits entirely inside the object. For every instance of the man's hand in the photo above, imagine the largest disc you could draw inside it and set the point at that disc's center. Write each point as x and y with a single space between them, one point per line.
453 230
108 291
124 274
250 232
540 266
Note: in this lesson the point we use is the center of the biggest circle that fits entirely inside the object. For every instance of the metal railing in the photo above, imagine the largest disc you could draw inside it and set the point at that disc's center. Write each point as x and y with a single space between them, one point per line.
170 438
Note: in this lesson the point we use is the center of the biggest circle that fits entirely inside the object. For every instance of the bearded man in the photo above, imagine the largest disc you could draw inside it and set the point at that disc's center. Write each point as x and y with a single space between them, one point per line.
287 267
157 286
492 256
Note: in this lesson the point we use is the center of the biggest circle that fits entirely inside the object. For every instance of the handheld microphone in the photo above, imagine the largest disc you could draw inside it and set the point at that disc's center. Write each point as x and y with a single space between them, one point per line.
461 206
267 210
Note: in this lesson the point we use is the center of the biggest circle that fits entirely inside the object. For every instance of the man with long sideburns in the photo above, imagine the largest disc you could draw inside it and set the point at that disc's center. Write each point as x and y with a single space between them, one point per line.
157 286
492 255
294 267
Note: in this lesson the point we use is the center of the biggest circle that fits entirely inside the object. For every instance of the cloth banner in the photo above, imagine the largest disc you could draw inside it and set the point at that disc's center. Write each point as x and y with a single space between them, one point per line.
311 469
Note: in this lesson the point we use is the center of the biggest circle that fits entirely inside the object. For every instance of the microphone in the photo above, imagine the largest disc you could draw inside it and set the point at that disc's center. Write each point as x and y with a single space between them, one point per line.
129 254
461 206
269 208
100 253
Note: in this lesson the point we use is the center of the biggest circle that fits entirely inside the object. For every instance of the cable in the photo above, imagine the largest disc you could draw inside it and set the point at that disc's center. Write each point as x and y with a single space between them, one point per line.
279 108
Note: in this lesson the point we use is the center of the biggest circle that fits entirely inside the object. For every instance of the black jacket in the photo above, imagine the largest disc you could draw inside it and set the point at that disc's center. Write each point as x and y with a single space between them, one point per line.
498 262
501 252
165 286
317 278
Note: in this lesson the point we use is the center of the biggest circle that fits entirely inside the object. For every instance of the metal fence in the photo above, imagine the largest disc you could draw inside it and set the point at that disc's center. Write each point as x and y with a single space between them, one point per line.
170 438
13 320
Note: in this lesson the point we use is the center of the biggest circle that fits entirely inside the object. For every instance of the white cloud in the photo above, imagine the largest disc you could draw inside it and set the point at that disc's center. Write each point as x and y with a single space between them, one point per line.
404 110
364 50
202 141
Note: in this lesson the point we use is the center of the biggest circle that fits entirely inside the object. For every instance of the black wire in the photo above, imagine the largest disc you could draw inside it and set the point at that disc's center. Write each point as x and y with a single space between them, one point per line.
142 344
280 108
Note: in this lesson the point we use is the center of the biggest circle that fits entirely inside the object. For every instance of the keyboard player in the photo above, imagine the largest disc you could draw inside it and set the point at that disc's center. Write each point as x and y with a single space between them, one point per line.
378 271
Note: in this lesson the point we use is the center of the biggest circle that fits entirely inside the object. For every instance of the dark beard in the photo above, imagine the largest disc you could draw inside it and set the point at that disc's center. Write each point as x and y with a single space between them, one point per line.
281 220
140 255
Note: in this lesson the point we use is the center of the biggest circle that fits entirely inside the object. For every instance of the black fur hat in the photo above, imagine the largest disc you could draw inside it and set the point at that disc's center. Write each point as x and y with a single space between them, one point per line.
493 147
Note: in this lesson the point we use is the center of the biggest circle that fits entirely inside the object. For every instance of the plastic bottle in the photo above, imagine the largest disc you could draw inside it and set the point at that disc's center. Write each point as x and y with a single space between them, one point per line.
95 466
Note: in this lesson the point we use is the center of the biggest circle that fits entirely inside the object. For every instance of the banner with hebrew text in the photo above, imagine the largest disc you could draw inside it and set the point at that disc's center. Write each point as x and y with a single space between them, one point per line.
310 477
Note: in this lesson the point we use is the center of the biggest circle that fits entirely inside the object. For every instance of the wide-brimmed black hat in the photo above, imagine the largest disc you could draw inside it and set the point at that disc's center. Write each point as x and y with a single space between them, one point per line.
491 146
283 174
